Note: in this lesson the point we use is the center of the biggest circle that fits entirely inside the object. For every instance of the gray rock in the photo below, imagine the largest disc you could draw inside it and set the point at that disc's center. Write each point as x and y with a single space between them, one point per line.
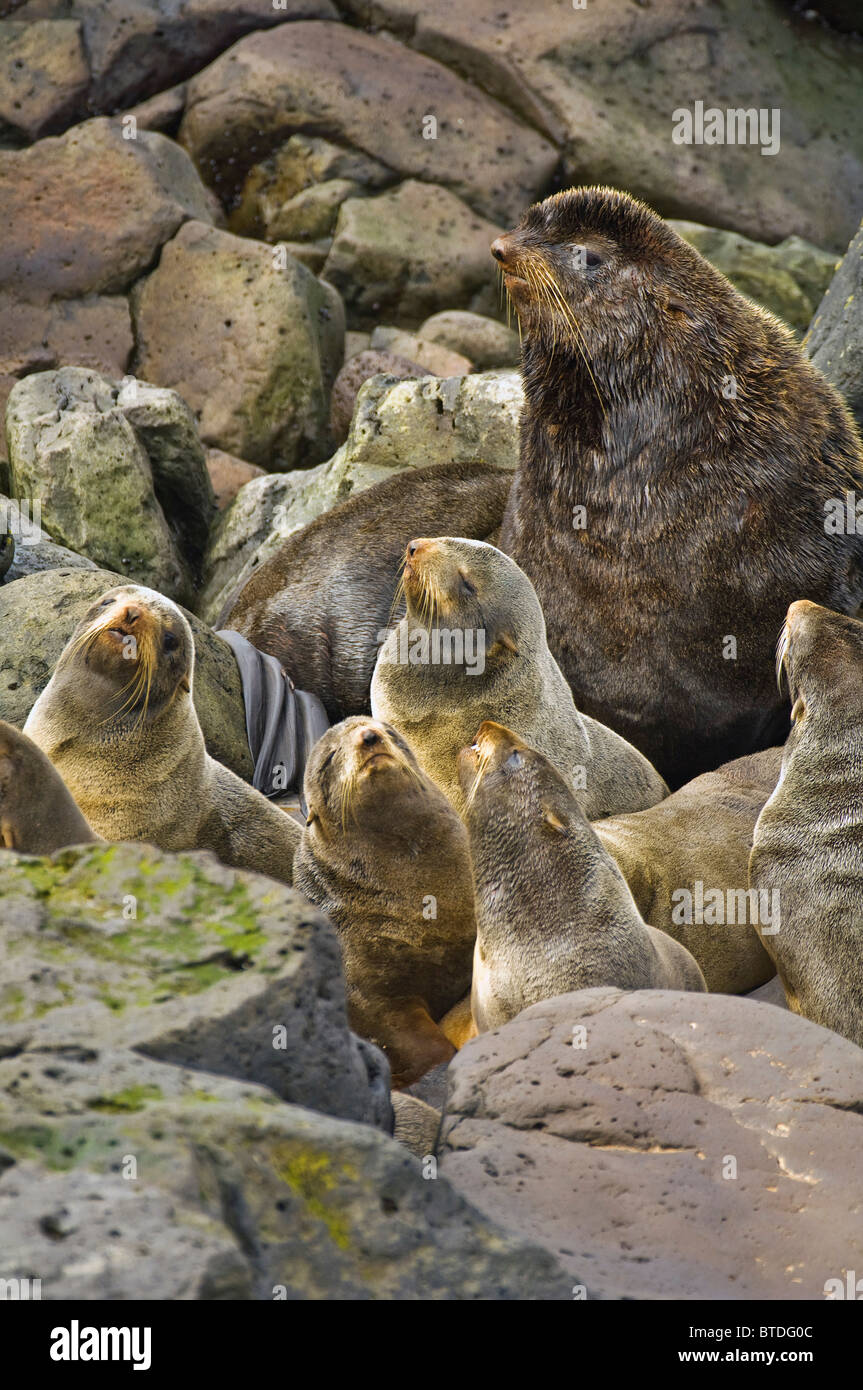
396 425
437 359
43 78
681 1146
249 338
603 81
788 279
111 465
244 1196
408 252
188 962
39 613
86 212
356 372
486 342
303 164
835 338
368 92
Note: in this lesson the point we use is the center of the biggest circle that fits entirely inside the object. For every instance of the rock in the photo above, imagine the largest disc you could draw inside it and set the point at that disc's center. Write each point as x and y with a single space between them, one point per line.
302 164
43 78
86 212
365 91
682 1146
356 371
437 359
603 81
38 615
141 46
396 425
34 550
93 331
835 337
486 342
311 214
245 1196
188 962
228 475
251 340
788 279
113 466
407 253
162 112
356 342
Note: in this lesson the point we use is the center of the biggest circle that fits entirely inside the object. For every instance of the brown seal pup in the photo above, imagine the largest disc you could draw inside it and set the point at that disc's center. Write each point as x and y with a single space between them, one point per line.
117 721
686 862
38 814
320 603
386 857
678 457
471 647
553 912
807 855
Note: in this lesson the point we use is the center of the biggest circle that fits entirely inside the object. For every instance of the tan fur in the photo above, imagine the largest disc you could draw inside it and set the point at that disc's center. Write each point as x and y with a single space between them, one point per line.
38 814
386 857
808 844
703 832
123 734
471 588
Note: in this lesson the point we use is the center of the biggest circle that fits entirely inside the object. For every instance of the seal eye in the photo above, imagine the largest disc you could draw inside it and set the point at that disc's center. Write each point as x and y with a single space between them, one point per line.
514 759
583 258
171 643
328 759
466 584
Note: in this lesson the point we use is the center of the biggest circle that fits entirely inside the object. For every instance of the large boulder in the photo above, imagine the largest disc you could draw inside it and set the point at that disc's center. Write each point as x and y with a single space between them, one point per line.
39 613
119 471
407 253
123 1178
368 92
189 962
127 51
486 342
397 425
86 212
249 338
665 1145
604 81
43 78
835 338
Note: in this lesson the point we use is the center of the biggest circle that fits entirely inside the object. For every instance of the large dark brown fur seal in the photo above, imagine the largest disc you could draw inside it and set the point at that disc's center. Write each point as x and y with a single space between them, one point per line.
321 602
807 854
702 447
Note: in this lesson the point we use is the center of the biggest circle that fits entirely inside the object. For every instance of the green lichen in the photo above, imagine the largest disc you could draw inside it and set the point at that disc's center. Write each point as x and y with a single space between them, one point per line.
133 1098
314 1177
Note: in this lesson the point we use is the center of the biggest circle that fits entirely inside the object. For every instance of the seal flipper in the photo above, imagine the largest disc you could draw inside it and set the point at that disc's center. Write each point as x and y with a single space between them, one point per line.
282 724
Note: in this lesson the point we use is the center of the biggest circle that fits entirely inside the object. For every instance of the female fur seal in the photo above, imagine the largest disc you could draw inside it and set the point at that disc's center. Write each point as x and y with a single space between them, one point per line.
680 464
38 814
320 603
686 862
117 721
553 912
807 857
386 857
471 647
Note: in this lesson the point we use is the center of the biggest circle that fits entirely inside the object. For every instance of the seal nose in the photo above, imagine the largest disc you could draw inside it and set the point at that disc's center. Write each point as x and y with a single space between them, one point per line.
800 609
501 249
370 737
131 615
419 547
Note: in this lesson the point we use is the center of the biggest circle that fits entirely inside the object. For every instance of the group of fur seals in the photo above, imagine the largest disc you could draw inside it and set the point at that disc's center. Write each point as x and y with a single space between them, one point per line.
117 721
321 602
472 646
385 856
808 846
677 453
686 862
553 911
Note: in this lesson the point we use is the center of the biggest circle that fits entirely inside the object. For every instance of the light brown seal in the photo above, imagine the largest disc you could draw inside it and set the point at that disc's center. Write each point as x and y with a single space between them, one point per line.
686 862
117 721
679 459
472 646
320 603
807 856
553 912
38 814
386 857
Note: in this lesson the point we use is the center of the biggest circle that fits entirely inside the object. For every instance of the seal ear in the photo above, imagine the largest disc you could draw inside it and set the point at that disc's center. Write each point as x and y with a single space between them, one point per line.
554 822
505 639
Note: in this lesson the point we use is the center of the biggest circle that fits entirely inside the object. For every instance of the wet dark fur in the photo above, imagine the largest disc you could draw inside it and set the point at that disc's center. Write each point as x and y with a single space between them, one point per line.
320 602
705 515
